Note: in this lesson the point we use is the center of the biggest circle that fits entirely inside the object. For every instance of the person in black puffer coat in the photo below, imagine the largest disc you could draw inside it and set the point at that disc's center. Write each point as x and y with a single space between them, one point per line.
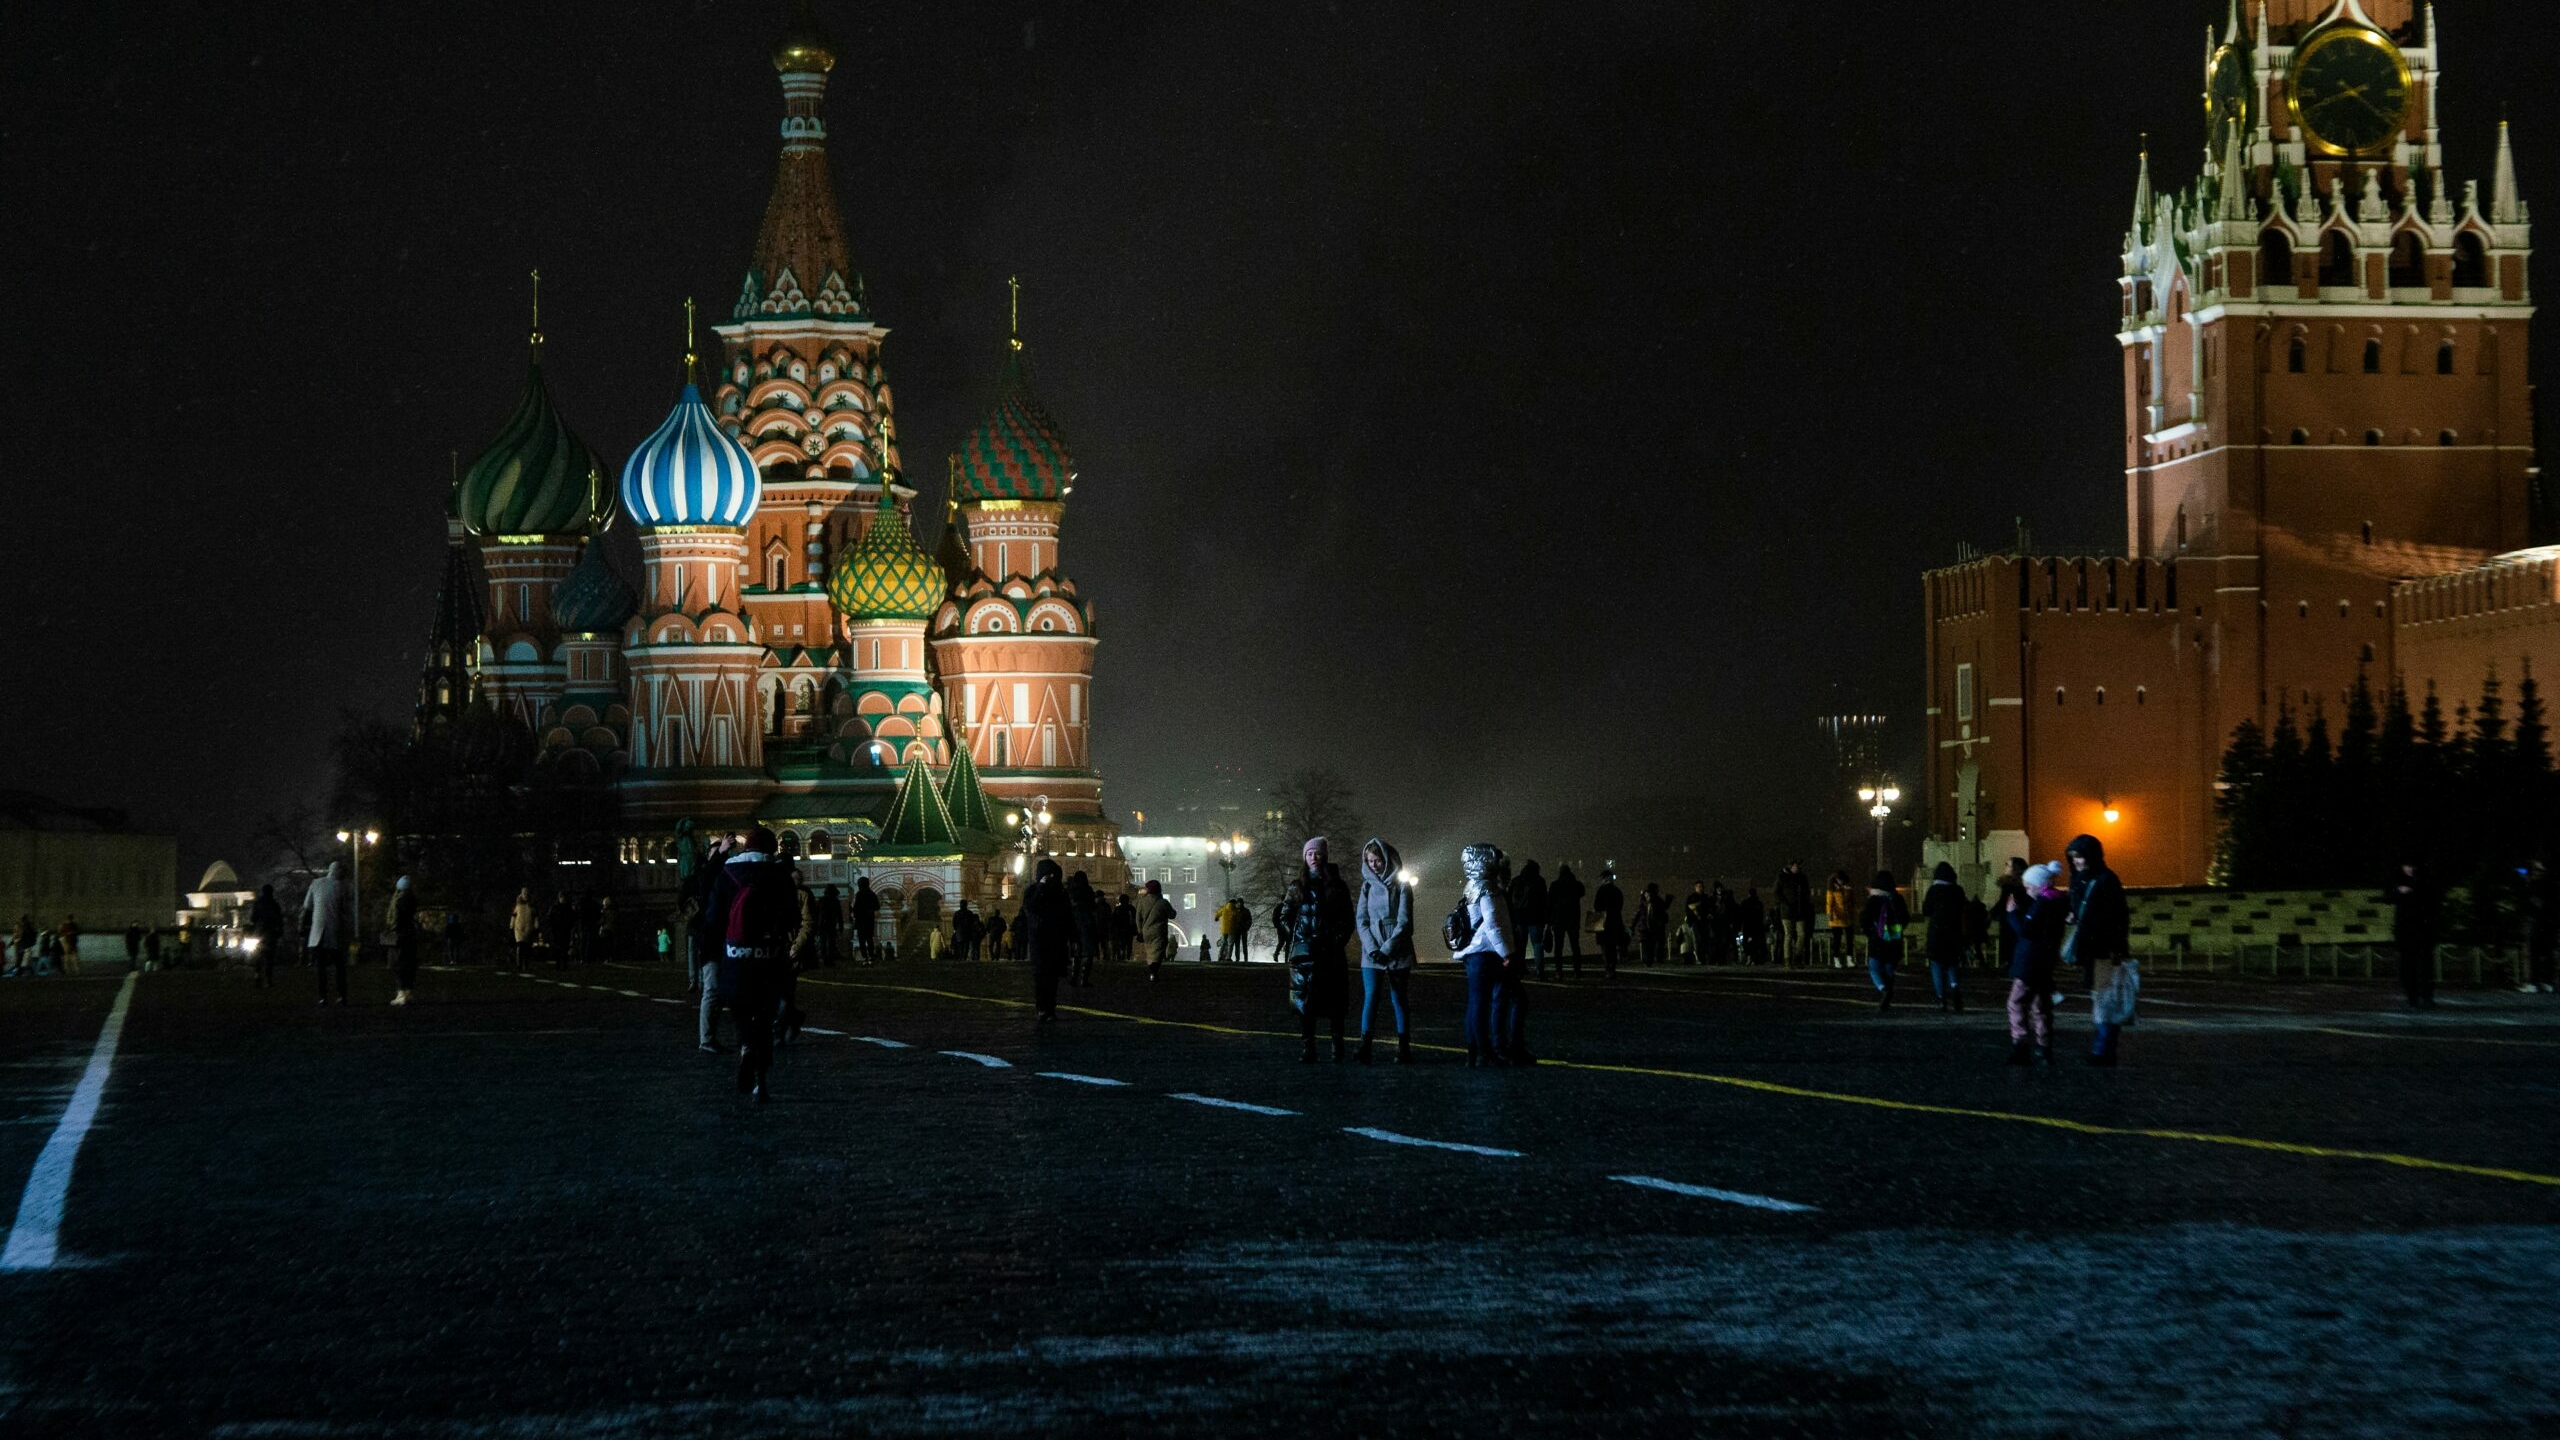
754 908
1317 918
1943 908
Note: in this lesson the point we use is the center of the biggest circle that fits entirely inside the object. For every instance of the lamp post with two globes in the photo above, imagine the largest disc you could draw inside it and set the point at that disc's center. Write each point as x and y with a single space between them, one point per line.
355 841
1880 799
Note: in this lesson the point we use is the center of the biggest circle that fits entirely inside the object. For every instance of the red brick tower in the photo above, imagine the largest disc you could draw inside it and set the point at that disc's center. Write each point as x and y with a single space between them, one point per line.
2325 392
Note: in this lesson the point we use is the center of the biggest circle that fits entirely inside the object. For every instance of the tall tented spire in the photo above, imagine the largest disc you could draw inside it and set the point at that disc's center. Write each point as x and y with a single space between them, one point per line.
2236 202
444 688
802 265
2142 196
2505 206
962 796
917 822
2231 27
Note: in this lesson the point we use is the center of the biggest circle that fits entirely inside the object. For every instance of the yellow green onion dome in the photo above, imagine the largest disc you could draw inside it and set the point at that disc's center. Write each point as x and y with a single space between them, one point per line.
1015 453
534 478
594 599
884 576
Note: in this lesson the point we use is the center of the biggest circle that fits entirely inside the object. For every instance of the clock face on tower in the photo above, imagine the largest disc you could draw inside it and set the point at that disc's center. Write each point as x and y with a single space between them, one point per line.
2227 96
2349 91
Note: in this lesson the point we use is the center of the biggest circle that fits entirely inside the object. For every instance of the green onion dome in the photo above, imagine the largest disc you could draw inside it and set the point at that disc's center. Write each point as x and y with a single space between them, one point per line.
594 599
535 478
884 576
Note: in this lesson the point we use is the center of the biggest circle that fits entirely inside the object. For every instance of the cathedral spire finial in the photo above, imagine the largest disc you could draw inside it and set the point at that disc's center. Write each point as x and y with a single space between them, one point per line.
688 340
2142 191
887 437
2505 207
537 315
1013 322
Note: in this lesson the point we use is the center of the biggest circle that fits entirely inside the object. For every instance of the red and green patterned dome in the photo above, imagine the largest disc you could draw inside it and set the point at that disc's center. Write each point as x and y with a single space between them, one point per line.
1016 453
884 576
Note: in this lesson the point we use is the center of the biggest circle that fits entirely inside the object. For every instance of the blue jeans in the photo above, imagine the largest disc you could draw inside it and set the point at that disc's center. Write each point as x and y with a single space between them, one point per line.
1943 979
1484 973
1880 973
1390 983
2103 1037
1511 1007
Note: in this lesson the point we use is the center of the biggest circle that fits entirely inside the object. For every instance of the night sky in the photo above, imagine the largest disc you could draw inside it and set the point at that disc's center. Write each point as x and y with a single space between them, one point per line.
1537 413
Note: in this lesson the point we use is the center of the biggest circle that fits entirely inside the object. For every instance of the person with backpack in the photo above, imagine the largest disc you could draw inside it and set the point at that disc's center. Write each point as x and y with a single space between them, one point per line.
2102 939
1482 937
757 900
1882 920
1385 922
1943 908
2035 925
1319 925
1046 931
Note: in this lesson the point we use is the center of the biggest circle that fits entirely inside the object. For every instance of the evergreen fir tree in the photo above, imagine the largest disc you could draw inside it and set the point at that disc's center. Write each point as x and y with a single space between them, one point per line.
2239 802
2357 790
2282 860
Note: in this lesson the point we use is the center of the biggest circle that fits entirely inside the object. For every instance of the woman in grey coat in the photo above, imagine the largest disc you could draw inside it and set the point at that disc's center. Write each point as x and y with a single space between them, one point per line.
1386 943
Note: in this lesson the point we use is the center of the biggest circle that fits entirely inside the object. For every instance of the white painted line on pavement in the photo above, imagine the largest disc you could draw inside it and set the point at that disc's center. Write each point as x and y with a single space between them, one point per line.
1229 1104
35 1239
820 1030
990 1061
1708 1192
666 999
1393 1138
634 994
883 1042
1080 1079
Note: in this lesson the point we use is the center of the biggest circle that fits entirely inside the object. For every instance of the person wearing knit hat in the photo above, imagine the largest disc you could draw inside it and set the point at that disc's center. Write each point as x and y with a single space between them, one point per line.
2035 925
1316 916
2102 940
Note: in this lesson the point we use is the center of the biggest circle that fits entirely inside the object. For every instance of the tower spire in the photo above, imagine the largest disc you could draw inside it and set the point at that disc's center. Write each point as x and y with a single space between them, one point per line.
2505 206
537 315
1013 285
2142 194
688 340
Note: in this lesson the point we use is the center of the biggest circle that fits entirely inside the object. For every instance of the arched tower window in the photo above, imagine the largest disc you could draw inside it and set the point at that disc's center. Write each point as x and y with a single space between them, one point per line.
2373 357
777 563
2337 261
2444 358
2408 261
2297 355
2275 259
2470 260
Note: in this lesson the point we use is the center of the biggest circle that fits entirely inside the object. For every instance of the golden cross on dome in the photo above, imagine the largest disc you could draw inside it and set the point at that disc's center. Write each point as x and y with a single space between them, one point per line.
1013 326
537 309
688 339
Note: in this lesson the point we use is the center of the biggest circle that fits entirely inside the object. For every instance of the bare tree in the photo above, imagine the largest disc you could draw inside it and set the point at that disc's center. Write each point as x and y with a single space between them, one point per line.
1307 804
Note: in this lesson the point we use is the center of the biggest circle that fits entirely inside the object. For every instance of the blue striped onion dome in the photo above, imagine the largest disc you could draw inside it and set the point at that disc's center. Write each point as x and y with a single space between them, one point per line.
594 599
884 576
535 478
689 472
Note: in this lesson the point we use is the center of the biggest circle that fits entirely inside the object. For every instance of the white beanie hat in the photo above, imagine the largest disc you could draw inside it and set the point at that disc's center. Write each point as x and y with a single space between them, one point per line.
2040 877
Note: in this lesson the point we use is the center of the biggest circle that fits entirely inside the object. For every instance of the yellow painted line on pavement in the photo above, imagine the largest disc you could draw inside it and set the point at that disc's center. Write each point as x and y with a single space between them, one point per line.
1836 1097
2448 1039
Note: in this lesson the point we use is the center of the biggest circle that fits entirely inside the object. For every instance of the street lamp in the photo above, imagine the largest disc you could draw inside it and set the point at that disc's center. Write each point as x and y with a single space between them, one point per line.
1235 847
355 841
1880 802
1030 824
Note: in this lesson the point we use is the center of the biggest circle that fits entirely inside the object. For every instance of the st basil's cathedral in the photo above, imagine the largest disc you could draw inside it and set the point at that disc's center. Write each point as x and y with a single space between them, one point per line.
789 654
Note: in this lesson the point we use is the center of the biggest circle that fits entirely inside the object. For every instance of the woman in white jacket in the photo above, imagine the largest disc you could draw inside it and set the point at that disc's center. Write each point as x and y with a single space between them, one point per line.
1491 942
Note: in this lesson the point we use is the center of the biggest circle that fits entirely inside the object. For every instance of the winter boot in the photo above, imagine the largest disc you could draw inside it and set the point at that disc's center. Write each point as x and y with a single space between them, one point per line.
1364 1049
2019 1053
2044 1058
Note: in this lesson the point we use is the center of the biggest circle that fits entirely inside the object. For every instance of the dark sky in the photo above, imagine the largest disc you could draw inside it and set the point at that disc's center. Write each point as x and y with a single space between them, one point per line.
1525 409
